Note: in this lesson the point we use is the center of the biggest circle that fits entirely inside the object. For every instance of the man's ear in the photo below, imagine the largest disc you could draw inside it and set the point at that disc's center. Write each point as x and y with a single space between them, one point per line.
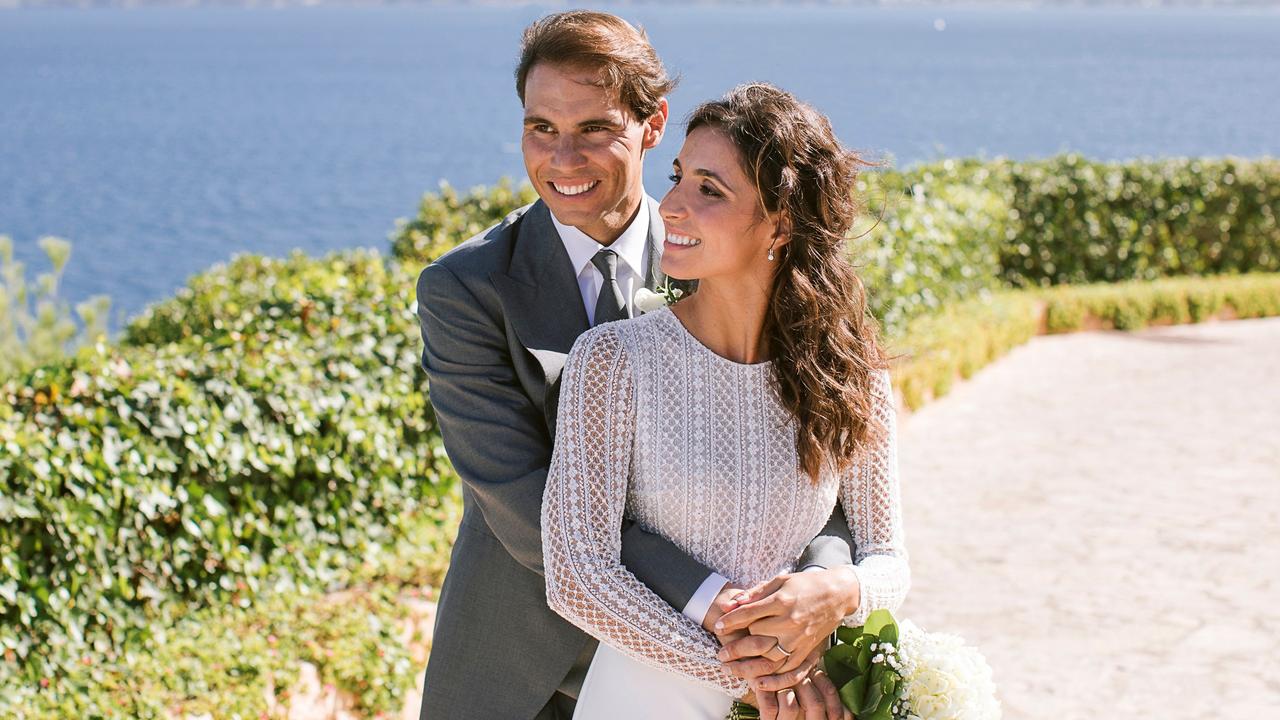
655 125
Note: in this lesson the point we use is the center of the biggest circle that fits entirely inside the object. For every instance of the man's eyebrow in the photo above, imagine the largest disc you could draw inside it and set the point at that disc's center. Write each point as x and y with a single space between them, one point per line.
600 121
535 120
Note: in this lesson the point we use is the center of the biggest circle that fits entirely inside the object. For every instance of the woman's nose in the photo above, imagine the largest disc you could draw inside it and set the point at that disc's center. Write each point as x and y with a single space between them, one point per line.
671 207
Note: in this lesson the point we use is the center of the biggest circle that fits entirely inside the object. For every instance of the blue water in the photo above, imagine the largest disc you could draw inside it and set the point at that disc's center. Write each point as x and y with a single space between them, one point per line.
162 141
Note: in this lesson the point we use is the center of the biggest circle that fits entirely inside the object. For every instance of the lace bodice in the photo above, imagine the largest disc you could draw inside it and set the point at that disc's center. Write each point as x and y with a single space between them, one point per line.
655 427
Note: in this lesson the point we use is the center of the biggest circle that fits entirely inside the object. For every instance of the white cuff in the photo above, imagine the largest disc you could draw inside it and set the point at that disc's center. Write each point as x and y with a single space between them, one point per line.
698 605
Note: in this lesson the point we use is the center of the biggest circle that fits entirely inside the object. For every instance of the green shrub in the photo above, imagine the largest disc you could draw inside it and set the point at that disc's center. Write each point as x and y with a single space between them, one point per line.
929 238
281 438
35 324
225 661
446 218
1078 221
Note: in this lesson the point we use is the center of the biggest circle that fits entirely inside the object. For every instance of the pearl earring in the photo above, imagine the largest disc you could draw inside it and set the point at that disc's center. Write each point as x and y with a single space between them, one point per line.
770 254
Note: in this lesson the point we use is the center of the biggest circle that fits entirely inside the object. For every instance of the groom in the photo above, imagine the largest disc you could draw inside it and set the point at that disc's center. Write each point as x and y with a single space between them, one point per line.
498 315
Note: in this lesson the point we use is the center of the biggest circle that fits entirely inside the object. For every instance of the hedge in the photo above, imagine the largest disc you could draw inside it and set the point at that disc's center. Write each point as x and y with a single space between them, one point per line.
942 232
1078 221
937 350
268 431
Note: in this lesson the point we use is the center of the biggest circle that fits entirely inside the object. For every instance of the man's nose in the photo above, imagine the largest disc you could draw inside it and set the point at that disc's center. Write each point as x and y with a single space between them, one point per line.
567 152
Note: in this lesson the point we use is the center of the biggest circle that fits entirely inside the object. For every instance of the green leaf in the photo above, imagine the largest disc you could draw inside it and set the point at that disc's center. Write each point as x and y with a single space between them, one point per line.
851 694
877 621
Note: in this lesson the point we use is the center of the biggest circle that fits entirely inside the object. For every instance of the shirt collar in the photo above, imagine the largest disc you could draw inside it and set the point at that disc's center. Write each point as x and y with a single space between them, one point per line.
630 245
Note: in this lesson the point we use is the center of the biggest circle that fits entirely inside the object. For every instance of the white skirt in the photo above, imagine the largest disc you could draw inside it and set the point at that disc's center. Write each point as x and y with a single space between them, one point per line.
619 688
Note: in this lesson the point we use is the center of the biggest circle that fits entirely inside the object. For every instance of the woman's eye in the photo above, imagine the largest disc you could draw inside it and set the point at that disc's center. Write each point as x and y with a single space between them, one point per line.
709 191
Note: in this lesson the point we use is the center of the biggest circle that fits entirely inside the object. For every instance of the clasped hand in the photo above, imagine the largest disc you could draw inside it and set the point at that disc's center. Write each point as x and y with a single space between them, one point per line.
774 635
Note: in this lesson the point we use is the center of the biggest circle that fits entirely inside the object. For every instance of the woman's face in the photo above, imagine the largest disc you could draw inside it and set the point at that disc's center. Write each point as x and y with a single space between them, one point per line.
714 221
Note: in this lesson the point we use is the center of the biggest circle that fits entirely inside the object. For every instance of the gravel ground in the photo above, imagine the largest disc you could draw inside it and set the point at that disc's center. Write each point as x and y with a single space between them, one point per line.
1100 514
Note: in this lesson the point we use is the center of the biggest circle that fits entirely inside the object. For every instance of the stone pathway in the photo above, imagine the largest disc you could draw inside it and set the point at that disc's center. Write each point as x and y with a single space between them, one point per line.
1100 513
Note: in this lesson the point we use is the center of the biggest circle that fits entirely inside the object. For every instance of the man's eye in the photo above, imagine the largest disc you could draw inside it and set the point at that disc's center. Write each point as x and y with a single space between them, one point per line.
675 179
542 128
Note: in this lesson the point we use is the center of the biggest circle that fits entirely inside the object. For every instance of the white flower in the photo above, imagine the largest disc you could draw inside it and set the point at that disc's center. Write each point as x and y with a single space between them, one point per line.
646 300
945 679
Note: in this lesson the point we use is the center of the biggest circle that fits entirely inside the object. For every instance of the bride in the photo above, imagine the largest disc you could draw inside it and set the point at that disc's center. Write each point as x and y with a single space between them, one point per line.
730 422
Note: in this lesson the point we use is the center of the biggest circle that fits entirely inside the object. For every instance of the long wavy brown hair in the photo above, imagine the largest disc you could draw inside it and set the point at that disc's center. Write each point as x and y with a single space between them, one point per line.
817 330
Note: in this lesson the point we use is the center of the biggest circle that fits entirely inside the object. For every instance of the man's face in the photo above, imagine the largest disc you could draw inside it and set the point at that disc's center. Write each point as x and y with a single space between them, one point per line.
583 149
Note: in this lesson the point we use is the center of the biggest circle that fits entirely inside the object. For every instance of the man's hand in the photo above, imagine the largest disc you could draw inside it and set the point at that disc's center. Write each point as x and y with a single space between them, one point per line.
797 610
814 698
725 600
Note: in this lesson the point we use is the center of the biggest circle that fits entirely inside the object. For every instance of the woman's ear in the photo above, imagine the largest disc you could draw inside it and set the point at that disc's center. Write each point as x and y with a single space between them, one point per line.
781 228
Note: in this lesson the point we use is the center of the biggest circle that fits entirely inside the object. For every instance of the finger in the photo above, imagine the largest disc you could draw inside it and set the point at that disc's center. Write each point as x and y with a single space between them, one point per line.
748 647
778 681
777 603
806 659
830 696
767 702
752 668
757 591
810 701
788 708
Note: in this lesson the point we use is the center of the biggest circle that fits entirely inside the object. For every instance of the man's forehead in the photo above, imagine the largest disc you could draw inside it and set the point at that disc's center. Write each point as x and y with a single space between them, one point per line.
570 91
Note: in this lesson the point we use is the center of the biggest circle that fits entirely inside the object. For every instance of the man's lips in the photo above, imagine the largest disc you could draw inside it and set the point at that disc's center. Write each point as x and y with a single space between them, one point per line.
573 188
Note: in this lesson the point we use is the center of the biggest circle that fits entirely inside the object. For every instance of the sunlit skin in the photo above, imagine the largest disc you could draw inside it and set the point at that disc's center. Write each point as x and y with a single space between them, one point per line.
713 202
584 150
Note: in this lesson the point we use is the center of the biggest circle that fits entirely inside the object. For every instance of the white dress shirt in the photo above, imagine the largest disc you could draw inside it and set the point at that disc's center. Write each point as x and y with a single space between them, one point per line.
632 269
632 263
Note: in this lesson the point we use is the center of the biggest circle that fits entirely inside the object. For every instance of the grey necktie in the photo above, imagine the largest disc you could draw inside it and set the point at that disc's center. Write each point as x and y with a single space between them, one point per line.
609 305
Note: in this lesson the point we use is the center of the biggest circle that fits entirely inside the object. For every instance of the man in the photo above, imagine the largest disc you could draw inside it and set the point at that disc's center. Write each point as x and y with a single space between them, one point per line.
498 315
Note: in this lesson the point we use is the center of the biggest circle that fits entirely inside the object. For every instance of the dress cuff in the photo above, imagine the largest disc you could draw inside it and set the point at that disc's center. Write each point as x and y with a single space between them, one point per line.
698 605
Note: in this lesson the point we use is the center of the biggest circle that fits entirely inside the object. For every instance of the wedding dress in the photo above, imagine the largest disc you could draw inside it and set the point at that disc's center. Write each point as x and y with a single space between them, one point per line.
656 427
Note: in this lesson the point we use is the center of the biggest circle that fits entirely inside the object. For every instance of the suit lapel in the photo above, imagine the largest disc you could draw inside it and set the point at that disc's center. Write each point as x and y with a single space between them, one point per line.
539 293
654 278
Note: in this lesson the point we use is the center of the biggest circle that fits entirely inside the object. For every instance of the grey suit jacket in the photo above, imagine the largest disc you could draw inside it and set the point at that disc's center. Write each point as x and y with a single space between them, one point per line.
498 316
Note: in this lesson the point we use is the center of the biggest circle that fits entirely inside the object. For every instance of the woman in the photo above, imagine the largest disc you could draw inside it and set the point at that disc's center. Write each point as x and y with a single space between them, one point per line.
732 421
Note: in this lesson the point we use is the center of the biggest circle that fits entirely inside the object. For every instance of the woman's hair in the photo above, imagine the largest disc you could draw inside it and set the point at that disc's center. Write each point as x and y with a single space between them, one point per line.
598 41
817 329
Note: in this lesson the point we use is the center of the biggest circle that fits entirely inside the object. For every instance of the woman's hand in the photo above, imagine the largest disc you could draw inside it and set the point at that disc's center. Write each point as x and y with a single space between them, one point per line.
797 611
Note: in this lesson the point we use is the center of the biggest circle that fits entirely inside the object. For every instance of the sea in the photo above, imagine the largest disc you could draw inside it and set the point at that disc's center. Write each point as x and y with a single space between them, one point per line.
163 141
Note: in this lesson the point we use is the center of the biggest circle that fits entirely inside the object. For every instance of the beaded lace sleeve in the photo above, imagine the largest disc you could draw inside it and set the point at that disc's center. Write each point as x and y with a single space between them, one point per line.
582 510
872 501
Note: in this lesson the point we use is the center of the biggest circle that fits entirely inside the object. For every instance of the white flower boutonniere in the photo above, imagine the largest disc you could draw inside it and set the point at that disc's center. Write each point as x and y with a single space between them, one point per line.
646 300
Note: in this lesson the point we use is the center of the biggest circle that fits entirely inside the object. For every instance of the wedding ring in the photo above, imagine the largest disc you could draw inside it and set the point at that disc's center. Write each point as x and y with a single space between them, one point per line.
782 649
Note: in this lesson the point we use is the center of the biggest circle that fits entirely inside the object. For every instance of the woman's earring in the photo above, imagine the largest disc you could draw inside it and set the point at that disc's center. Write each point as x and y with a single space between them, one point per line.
770 253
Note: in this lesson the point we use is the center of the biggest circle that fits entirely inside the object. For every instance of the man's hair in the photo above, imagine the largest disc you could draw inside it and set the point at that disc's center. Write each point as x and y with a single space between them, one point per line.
598 41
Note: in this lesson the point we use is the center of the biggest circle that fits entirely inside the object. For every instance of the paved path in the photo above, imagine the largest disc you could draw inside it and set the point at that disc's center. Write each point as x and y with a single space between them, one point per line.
1100 513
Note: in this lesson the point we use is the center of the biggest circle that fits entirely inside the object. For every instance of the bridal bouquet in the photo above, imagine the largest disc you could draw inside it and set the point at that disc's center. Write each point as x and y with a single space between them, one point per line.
889 672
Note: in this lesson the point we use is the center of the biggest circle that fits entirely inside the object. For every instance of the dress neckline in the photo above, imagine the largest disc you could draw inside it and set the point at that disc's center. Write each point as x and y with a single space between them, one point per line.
679 325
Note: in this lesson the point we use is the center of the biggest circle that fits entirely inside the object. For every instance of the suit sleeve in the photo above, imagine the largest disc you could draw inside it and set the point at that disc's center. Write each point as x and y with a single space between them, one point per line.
498 440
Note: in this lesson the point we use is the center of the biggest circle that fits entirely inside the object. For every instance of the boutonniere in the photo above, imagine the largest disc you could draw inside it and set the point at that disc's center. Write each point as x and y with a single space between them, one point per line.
646 300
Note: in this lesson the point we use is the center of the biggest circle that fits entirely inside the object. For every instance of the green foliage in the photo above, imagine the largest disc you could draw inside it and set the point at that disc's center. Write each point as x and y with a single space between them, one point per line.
930 238
248 437
940 348
446 218
225 661
36 326
1134 305
1078 221
868 688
